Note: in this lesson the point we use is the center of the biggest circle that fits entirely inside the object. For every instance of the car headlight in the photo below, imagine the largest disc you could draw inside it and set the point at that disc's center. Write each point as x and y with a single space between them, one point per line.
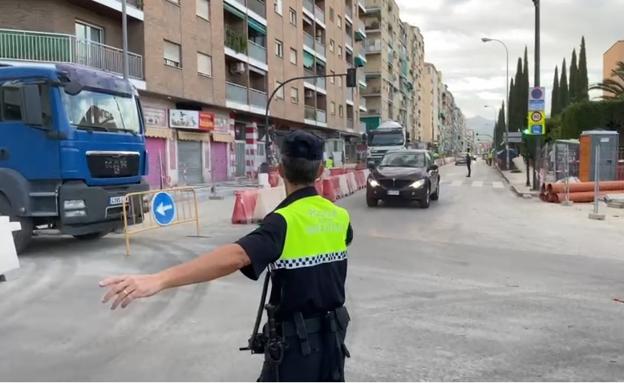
373 182
418 184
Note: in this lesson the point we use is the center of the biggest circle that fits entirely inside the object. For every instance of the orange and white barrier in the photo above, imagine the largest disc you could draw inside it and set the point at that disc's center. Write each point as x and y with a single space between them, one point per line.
267 201
8 255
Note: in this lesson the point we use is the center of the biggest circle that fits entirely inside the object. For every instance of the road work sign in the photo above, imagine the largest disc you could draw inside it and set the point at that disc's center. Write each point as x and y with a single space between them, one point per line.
163 208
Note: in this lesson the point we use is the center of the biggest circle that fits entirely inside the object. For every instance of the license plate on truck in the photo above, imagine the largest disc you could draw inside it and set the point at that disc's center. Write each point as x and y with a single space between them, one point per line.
118 200
393 192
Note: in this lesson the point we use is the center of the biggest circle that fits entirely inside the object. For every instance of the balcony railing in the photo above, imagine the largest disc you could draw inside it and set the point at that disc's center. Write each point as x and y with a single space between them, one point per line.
56 47
349 94
235 40
320 83
373 46
319 47
257 6
257 98
257 52
349 40
309 5
309 113
321 116
236 93
350 123
308 40
319 13
349 11
363 102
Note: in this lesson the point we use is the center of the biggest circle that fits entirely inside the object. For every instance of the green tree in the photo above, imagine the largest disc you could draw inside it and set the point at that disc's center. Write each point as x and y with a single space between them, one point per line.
573 86
512 102
524 110
564 95
583 80
613 87
499 129
516 100
554 100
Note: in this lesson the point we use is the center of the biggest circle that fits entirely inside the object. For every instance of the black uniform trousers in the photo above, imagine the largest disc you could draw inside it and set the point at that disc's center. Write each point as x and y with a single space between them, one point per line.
469 170
316 356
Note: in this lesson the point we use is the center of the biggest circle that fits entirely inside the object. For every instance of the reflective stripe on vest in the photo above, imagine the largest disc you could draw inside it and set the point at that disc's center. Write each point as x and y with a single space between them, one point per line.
316 232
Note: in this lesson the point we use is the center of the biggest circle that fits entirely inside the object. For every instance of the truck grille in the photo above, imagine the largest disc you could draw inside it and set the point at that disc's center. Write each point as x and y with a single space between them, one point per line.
113 164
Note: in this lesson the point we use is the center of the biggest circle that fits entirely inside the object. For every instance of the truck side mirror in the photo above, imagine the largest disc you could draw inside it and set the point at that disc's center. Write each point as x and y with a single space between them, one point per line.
31 101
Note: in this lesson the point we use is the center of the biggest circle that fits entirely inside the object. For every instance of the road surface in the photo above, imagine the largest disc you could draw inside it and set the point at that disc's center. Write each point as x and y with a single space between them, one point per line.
481 286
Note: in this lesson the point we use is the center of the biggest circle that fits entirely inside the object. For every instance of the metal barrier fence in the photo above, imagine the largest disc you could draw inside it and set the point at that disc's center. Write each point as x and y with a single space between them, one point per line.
141 218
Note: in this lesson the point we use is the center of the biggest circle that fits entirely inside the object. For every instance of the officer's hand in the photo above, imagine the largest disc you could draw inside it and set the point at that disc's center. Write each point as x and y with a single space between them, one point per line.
127 288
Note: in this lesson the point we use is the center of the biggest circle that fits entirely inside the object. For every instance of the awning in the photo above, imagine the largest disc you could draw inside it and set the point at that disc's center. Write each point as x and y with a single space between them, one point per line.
308 60
256 26
222 137
193 136
233 10
158 133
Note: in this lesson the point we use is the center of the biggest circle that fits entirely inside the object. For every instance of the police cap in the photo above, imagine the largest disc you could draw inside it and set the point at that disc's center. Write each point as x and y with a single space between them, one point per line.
301 144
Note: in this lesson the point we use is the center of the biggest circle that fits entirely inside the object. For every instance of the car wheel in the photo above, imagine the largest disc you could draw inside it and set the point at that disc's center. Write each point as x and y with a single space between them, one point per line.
371 202
435 196
427 201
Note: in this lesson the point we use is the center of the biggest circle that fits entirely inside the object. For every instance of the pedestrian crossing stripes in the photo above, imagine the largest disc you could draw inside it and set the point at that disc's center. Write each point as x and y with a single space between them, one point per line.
475 184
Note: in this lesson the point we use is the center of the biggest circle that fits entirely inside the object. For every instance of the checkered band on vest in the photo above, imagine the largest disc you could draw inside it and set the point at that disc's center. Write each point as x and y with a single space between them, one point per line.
310 261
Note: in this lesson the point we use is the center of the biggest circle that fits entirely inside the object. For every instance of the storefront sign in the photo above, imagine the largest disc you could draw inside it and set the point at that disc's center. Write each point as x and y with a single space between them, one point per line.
206 121
155 117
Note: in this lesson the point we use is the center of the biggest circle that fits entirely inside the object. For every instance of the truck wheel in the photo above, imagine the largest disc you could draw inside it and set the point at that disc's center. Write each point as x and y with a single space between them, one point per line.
22 237
90 236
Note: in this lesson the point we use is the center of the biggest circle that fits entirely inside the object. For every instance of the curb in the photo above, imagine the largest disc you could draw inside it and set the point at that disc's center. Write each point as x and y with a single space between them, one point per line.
519 193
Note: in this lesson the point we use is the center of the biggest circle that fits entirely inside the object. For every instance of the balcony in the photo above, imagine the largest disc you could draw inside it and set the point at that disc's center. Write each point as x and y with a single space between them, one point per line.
259 7
308 40
309 6
309 113
321 116
235 40
363 104
56 47
349 11
349 93
360 30
133 10
362 5
315 116
321 83
373 46
373 26
349 40
319 14
319 47
350 123
257 52
257 98
236 93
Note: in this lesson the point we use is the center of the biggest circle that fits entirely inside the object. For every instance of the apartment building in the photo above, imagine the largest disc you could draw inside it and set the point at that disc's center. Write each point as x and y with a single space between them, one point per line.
202 69
431 100
611 57
415 62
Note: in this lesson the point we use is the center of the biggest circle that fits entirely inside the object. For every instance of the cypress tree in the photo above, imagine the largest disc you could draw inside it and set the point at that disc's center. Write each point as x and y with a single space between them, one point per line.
554 106
582 75
512 102
525 90
564 95
574 85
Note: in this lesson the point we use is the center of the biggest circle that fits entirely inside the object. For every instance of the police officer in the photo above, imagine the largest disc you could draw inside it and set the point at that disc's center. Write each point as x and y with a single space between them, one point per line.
468 161
304 244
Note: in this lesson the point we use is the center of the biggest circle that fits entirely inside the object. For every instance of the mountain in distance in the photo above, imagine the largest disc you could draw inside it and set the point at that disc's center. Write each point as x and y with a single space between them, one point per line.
480 125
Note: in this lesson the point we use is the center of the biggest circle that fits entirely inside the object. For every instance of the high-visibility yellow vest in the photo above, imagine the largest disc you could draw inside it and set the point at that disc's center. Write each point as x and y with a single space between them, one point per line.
316 232
329 163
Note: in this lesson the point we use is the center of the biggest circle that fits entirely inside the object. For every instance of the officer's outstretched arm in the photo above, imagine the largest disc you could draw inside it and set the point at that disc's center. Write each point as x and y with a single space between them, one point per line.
218 263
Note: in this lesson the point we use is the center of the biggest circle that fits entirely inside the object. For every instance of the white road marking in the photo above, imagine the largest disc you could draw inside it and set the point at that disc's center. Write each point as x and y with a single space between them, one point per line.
498 185
456 183
477 184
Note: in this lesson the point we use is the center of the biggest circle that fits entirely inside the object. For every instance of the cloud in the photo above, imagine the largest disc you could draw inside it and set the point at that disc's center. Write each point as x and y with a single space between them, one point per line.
475 71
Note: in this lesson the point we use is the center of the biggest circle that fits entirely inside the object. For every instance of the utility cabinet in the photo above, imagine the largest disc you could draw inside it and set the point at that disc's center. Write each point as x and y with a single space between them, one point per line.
608 142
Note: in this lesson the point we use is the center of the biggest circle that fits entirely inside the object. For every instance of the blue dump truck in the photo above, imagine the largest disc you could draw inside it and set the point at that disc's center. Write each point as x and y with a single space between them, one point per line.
71 147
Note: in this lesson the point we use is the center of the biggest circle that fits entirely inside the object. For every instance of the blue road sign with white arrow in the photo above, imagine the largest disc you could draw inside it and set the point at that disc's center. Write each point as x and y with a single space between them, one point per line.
163 208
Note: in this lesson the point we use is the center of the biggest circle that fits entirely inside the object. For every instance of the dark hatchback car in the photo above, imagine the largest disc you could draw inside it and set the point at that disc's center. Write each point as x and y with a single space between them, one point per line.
408 175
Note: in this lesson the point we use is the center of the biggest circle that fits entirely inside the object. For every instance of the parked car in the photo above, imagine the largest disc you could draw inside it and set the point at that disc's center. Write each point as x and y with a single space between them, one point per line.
409 175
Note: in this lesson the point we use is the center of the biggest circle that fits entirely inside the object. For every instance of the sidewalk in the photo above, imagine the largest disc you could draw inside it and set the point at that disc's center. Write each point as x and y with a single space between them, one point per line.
517 181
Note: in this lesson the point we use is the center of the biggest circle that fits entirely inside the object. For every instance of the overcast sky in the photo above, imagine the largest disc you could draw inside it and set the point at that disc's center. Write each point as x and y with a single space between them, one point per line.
475 72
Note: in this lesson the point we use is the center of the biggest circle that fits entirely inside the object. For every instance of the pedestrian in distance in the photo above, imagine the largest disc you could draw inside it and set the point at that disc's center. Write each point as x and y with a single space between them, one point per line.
303 243
468 161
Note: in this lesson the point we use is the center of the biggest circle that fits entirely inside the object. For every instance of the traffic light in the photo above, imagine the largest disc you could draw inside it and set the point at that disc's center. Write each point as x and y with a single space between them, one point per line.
351 77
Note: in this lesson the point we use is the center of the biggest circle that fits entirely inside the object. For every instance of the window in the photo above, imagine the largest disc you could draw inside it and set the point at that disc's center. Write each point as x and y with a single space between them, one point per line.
332 45
11 103
88 32
294 95
204 64
332 108
279 48
332 79
292 16
339 51
176 2
203 9
277 6
172 54
341 111
331 14
280 93
293 56
339 21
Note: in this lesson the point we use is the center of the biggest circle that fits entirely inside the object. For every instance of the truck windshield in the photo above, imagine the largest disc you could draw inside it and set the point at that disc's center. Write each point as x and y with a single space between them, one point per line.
90 110
386 139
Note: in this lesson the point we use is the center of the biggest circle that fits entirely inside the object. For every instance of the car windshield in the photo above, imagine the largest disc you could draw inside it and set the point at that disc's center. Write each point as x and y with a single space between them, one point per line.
404 160
91 110
386 139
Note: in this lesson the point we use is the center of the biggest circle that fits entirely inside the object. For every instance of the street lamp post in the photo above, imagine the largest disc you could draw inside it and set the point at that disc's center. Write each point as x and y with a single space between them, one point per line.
487 40
536 3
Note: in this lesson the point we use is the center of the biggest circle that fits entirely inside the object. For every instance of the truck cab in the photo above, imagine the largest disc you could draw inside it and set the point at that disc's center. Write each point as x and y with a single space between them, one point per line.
389 136
72 146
